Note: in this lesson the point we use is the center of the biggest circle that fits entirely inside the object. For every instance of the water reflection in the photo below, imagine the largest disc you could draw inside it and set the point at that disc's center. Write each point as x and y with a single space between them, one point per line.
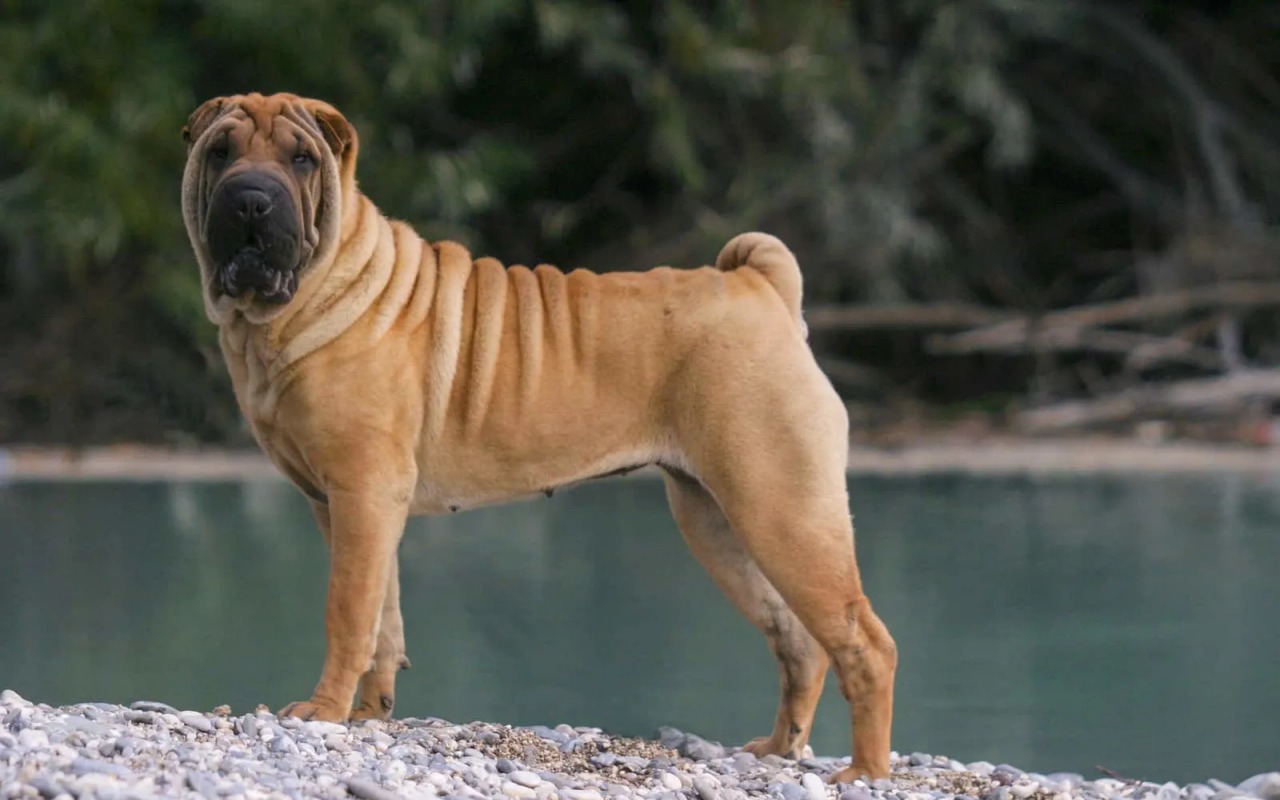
1050 623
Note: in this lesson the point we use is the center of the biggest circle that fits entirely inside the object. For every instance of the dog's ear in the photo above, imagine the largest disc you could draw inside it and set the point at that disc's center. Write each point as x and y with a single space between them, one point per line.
339 134
202 118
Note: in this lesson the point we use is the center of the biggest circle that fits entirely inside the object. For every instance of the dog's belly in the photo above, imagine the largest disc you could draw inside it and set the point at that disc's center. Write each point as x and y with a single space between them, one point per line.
448 491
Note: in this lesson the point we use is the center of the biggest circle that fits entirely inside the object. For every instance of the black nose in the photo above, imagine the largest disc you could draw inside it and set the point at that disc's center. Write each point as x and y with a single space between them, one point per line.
251 204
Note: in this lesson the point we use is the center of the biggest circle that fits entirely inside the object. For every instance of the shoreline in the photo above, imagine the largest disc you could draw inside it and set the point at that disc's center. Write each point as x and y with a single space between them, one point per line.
150 749
994 455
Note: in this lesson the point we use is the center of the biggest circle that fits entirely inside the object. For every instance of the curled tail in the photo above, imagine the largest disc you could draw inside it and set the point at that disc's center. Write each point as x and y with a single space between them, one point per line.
767 255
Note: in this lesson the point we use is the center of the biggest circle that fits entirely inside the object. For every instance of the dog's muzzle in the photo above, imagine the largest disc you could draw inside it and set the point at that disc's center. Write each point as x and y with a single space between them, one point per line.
254 238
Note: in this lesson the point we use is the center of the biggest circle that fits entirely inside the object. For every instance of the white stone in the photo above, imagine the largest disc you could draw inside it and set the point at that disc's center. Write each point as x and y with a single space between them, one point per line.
525 778
318 727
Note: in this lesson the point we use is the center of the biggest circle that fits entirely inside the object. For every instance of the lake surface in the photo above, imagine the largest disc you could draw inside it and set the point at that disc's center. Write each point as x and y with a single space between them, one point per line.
1051 623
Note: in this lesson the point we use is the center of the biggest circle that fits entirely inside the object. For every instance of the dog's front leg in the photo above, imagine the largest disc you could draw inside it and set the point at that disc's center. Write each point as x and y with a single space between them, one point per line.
365 530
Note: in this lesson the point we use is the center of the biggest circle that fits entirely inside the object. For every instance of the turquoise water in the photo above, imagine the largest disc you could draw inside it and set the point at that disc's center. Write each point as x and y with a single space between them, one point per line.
1054 624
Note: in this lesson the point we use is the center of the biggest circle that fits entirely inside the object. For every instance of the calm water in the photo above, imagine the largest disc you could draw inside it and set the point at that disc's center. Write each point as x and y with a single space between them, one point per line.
1056 624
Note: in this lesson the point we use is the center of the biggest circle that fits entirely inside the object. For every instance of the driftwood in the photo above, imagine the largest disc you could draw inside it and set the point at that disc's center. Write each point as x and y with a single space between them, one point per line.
1139 350
851 376
1027 334
908 316
1214 396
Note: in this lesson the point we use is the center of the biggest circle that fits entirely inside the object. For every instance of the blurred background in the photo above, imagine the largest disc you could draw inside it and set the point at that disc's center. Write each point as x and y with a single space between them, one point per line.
1039 216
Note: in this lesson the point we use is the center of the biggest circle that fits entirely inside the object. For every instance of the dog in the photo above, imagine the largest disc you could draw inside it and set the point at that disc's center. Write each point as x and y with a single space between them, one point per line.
388 376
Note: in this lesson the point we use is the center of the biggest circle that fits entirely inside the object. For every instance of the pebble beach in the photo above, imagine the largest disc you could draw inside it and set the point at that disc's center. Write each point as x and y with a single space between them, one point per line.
149 749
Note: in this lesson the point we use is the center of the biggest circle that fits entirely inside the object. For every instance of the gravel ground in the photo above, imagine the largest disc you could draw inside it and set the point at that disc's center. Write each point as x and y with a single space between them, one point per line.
98 750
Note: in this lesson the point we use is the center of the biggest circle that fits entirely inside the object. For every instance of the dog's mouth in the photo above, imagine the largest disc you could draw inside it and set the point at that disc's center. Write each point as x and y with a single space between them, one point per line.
249 270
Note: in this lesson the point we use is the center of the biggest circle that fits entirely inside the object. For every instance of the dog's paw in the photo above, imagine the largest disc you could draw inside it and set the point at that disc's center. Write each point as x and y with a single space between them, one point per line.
762 746
309 710
851 774
366 711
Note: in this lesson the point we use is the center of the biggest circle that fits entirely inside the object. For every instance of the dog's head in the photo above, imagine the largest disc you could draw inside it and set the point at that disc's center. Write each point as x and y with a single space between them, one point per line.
262 196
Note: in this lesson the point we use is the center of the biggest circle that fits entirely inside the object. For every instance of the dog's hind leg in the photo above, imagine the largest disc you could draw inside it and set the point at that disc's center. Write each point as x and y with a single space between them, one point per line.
768 438
791 513
802 663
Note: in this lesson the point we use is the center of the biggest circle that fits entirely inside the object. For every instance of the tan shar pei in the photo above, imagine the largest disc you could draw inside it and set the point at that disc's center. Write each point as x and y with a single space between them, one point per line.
387 376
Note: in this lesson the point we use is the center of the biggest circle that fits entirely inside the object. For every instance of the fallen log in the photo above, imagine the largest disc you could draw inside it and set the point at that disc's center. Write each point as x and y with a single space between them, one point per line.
1140 350
907 316
1234 295
1203 396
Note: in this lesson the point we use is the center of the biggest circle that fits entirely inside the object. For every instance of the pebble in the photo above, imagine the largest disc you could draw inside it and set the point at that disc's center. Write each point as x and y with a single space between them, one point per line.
525 778
151 750
1265 785
196 720
707 788
699 749
159 708
792 791
814 786
512 789
322 728
369 790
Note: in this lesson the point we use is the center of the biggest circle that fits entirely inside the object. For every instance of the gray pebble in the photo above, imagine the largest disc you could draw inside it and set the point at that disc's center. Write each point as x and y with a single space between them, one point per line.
322 728
706 787
9 697
517 791
1264 785
524 777
85 766
158 708
46 787
792 791
862 794
634 763
369 790
699 749
505 766
196 720
336 742
670 738
543 732
816 789
202 783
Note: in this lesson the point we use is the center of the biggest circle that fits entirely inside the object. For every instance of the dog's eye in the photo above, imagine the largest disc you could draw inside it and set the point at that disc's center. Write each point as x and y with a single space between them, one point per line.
218 153
304 159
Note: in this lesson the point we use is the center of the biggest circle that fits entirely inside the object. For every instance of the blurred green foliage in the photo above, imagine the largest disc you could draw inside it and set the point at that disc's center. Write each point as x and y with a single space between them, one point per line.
907 150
